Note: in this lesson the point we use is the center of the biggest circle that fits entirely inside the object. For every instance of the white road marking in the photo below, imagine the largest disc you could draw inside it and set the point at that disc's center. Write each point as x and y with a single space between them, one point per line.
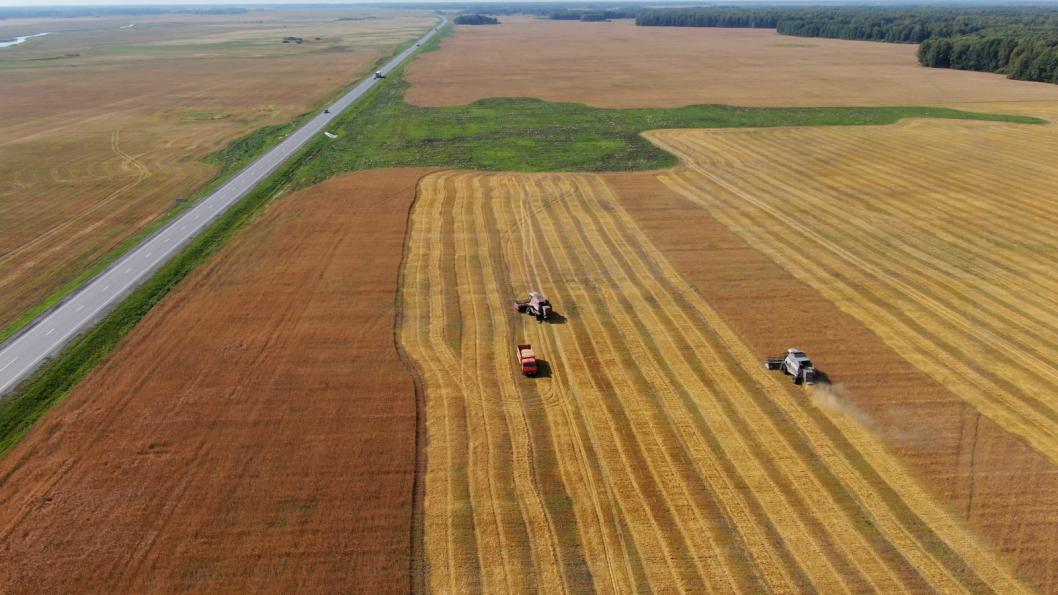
128 269
79 308
105 288
49 332
8 364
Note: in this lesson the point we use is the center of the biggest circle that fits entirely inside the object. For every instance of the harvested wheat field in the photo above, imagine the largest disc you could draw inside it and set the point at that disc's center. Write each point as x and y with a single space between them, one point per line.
617 64
103 128
654 452
257 432
1003 489
944 250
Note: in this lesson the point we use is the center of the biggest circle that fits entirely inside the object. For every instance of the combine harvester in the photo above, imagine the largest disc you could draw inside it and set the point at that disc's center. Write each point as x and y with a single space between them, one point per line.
795 363
537 305
526 359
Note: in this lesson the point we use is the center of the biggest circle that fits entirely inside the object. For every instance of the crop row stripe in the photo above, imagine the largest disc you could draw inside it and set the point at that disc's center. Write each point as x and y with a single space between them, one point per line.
993 571
422 329
620 569
978 299
904 329
824 518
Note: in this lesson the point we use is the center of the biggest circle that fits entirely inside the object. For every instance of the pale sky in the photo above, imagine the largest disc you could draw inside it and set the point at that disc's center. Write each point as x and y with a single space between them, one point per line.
61 3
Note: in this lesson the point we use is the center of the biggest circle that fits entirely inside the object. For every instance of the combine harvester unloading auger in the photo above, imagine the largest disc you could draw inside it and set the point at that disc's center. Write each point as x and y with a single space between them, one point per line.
795 363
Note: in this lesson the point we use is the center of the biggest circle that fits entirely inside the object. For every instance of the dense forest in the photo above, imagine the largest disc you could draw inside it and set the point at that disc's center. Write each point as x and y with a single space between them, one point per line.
569 14
1019 42
476 19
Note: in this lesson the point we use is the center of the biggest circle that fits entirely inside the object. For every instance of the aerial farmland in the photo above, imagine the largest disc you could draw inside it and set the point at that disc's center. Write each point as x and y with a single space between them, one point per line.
505 326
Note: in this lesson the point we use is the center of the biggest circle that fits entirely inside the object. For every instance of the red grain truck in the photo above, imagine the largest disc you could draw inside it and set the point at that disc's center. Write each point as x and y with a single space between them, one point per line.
526 359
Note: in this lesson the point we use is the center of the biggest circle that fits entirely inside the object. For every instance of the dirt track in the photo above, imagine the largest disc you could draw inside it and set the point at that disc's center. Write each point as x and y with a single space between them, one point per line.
255 432
1007 492
620 65
655 452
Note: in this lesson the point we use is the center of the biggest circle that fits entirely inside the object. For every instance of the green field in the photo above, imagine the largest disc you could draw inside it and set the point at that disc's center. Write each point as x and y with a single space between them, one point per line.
534 135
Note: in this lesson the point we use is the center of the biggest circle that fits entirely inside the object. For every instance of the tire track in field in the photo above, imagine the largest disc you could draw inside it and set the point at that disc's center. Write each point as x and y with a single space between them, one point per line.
639 358
142 172
533 514
451 563
677 496
625 569
493 531
681 476
924 333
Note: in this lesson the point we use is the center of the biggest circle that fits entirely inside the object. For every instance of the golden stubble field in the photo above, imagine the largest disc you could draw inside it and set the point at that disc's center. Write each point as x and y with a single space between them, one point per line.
937 235
617 64
654 453
938 238
103 127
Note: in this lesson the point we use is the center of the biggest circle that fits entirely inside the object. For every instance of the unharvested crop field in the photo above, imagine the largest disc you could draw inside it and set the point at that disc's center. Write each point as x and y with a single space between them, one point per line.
654 453
617 64
257 432
103 128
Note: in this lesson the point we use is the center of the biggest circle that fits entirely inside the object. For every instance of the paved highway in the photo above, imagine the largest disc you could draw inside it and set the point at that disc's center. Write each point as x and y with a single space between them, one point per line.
21 354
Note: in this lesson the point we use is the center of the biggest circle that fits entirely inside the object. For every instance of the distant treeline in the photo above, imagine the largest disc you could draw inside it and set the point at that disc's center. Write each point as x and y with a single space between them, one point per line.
1019 42
569 14
476 19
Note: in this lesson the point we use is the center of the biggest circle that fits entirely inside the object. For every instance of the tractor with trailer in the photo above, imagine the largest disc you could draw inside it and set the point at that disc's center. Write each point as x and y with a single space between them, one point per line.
537 305
526 359
795 363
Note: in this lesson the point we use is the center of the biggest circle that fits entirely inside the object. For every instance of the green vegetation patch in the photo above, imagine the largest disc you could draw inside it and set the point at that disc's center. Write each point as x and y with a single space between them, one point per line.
535 135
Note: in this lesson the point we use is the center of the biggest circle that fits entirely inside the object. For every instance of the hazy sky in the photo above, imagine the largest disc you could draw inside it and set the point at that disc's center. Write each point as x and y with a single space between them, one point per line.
48 3
40 3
